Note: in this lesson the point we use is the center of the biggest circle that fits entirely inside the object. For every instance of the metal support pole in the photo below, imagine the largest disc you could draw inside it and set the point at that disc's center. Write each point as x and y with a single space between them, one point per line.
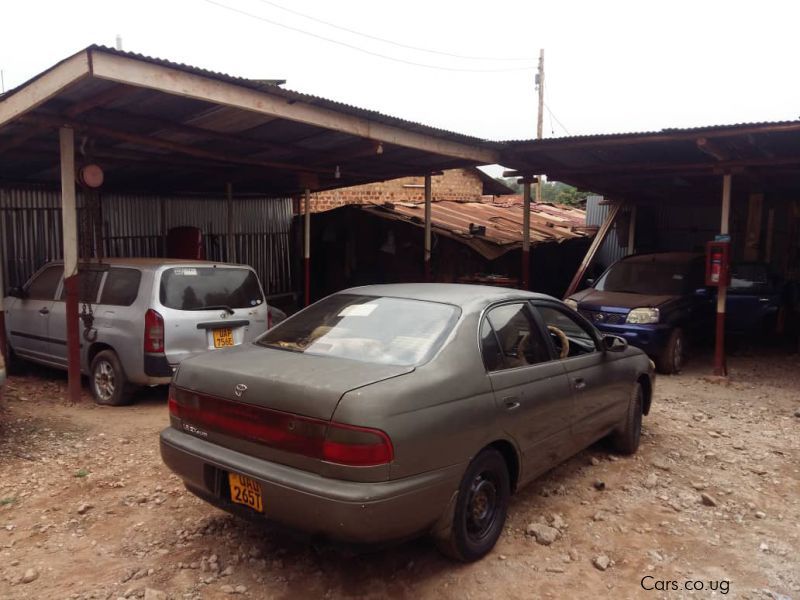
229 215
428 201
597 242
720 365
307 245
3 340
526 234
69 221
632 230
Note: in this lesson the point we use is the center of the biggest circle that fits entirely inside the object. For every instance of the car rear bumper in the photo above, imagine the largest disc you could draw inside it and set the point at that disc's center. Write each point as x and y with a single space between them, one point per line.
341 510
650 338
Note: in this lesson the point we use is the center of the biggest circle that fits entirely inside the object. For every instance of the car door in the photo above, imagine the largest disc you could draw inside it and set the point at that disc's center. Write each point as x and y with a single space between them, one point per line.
88 285
28 317
599 381
531 390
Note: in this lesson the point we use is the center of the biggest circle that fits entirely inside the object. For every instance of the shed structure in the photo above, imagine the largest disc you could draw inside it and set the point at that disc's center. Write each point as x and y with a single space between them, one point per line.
161 128
677 189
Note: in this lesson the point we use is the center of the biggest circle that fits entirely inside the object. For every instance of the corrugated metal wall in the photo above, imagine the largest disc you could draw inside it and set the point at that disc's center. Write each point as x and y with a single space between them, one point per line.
30 226
611 250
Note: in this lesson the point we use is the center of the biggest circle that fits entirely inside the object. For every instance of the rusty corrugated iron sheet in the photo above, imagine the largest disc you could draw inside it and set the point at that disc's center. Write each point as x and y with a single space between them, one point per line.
462 221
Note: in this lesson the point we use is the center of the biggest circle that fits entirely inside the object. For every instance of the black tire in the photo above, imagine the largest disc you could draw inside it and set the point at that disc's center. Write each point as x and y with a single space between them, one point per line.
626 439
480 509
672 358
107 380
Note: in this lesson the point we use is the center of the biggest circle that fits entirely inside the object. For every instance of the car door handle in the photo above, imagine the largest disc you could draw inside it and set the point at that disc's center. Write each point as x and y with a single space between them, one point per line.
44 311
511 402
579 383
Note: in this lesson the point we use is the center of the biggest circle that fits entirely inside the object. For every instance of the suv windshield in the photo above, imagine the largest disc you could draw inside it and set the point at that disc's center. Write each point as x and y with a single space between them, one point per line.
195 288
654 278
372 329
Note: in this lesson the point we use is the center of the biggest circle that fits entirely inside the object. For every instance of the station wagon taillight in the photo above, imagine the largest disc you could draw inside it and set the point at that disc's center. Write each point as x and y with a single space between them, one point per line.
325 440
153 332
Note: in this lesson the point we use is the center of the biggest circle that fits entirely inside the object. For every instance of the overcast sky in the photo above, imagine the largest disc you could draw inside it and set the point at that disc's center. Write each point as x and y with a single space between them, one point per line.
610 66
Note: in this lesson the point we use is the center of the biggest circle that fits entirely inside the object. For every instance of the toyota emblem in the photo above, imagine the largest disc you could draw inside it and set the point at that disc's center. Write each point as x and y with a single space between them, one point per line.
239 389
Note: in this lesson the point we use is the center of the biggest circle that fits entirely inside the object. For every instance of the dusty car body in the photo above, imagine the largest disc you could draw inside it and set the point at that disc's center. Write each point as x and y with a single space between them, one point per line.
325 426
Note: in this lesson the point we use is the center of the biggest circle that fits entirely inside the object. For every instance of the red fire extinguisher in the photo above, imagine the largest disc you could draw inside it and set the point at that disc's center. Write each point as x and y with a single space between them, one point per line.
718 263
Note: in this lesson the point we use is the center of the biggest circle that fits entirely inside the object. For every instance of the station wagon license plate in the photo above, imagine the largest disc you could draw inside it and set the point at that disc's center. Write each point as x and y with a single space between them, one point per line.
245 490
223 337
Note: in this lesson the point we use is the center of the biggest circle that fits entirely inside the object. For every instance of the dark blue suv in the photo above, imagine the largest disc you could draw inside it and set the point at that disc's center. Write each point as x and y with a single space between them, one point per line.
655 301
659 302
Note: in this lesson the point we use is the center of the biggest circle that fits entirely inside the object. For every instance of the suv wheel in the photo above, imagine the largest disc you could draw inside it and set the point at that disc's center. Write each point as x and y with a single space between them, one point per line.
107 379
480 509
674 354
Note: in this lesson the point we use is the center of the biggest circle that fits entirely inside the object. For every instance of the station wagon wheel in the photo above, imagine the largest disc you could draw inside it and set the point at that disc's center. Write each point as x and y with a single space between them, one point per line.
480 508
107 380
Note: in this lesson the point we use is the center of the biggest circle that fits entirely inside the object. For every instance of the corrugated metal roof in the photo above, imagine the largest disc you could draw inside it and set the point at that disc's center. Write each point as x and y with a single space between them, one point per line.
656 132
550 223
297 96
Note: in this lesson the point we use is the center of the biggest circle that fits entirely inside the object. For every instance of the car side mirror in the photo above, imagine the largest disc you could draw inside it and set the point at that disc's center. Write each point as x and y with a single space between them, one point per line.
17 292
590 281
614 343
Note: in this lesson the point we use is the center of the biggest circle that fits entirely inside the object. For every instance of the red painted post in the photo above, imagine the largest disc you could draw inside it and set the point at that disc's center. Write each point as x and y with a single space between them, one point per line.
307 245
3 341
73 338
720 364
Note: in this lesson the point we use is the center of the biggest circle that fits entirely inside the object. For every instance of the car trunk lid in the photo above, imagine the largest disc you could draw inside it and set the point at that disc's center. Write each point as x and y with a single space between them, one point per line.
282 380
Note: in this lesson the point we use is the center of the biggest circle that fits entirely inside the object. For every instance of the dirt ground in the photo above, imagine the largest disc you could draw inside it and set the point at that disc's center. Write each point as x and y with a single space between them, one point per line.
87 510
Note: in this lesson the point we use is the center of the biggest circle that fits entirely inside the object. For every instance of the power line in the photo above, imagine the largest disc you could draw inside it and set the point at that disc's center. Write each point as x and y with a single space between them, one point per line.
560 124
358 48
392 42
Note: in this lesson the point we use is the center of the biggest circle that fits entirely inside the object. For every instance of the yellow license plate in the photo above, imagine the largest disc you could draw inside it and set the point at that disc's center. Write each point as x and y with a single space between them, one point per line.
223 337
245 490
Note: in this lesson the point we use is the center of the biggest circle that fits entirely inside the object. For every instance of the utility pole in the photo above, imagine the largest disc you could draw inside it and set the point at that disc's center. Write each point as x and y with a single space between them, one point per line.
540 116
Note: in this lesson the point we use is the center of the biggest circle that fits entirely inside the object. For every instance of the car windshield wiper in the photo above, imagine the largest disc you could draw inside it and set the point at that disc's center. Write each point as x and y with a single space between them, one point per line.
224 307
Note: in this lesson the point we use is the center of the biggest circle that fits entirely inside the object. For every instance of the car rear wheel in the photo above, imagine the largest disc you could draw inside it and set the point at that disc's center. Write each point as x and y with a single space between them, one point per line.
674 354
480 509
107 380
626 439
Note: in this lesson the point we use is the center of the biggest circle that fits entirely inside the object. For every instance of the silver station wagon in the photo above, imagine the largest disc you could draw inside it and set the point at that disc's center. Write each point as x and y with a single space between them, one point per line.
385 412
140 318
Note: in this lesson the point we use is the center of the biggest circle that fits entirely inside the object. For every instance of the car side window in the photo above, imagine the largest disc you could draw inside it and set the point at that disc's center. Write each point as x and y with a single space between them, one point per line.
121 287
88 286
578 338
490 348
518 337
43 286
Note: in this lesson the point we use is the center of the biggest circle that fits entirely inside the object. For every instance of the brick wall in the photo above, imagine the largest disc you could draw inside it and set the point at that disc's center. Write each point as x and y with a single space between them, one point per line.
455 184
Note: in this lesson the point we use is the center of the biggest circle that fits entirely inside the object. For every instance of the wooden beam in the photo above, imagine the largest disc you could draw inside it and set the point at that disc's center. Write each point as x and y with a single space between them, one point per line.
712 149
100 99
122 69
153 142
427 237
598 240
44 87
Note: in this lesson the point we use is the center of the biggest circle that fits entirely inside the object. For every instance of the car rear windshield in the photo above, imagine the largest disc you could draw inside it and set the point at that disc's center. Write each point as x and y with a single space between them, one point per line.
657 278
196 288
373 329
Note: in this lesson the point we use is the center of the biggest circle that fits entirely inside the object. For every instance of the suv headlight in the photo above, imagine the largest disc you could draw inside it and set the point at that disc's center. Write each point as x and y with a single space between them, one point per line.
571 303
643 316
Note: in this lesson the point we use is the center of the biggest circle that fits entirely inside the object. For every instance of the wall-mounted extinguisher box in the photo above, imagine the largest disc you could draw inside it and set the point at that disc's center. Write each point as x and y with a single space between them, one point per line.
718 265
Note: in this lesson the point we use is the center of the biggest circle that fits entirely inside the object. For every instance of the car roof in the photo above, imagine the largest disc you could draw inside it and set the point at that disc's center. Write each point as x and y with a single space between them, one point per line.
152 263
467 297
664 257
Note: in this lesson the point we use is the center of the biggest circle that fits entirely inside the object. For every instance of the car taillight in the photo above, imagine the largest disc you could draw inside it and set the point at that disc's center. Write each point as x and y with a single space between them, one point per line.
356 446
153 332
326 440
